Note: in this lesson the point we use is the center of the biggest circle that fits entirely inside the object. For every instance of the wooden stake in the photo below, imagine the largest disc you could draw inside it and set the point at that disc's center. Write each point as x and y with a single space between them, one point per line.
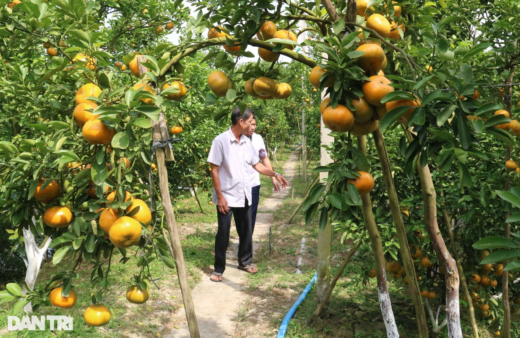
161 153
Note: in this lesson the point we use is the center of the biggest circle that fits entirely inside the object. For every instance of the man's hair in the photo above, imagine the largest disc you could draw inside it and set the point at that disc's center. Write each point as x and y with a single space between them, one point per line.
236 115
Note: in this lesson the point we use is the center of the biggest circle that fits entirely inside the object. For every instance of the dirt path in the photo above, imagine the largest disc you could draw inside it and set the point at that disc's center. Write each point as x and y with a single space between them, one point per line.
217 304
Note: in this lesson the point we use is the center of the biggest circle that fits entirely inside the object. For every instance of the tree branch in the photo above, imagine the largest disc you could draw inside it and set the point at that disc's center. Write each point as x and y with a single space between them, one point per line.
306 10
330 9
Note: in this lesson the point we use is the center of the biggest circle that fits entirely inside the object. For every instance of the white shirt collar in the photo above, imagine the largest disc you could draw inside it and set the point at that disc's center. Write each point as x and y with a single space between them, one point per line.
232 137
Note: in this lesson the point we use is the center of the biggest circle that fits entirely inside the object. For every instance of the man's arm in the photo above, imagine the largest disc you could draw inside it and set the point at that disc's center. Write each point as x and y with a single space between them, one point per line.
262 169
266 162
222 203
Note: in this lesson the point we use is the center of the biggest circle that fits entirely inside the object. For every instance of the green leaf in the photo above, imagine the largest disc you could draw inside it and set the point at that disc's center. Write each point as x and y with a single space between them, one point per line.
314 196
336 199
421 83
14 289
464 132
169 262
104 82
150 111
495 242
513 266
513 218
392 116
90 243
359 159
487 108
324 218
500 256
509 197
395 96
310 213
502 135
466 72
445 114
142 123
497 119
231 94
121 140
19 305
477 49
447 20
338 26
465 176
59 254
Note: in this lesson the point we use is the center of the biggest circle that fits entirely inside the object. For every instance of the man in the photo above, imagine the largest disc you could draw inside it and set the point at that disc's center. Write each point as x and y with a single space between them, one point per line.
260 151
230 157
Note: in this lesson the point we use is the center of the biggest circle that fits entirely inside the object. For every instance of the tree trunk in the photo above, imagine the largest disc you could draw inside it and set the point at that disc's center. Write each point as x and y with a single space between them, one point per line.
443 254
323 269
158 135
33 261
413 283
377 248
465 289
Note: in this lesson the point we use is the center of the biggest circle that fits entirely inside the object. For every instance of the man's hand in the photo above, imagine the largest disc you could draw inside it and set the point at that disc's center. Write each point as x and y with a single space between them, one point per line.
275 184
222 205
282 180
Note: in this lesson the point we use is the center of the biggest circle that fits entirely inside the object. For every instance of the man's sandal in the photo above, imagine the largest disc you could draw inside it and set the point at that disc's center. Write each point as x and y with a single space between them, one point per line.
249 269
216 278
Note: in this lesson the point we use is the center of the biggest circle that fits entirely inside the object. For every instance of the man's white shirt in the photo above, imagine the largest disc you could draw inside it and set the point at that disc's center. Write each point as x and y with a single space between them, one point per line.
260 151
235 160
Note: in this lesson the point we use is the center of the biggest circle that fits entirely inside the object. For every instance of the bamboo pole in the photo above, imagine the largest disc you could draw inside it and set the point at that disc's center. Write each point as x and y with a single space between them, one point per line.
465 289
323 268
413 283
333 283
160 153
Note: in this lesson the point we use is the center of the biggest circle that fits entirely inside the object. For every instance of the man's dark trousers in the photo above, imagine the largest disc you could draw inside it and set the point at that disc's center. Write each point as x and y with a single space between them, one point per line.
242 218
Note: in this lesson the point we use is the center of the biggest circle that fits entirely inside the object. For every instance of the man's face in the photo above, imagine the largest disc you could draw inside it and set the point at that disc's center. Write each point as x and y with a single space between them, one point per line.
245 125
252 128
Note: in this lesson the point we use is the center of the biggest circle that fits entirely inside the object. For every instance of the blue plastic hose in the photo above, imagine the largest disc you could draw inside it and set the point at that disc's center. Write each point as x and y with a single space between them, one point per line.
285 323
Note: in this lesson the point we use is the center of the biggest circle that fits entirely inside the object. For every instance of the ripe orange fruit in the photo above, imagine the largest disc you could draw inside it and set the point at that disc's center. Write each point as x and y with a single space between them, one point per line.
146 88
46 45
380 24
50 192
58 300
137 295
248 87
267 31
267 55
416 252
264 86
376 89
380 112
125 232
57 217
394 31
424 293
92 190
340 119
219 83
159 29
144 215
97 315
372 273
123 67
134 66
493 283
81 115
126 162
112 196
397 9
362 6
315 76
431 295
486 267
399 103
169 26
107 218
176 130
90 62
504 126
485 281
85 91
284 34
214 33
364 128
235 49
95 132
283 91
364 185
405 280
373 59
364 111
175 96
425 262
324 104
484 307
51 51
511 165
475 277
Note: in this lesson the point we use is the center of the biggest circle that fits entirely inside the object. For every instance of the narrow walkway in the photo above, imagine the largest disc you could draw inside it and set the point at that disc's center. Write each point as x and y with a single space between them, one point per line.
217 304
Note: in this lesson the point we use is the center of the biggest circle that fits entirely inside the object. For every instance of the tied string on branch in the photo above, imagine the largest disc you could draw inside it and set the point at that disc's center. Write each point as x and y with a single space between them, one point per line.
155 144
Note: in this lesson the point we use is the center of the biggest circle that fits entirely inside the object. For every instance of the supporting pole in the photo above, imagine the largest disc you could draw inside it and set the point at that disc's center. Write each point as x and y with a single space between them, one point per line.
304 138
158 135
